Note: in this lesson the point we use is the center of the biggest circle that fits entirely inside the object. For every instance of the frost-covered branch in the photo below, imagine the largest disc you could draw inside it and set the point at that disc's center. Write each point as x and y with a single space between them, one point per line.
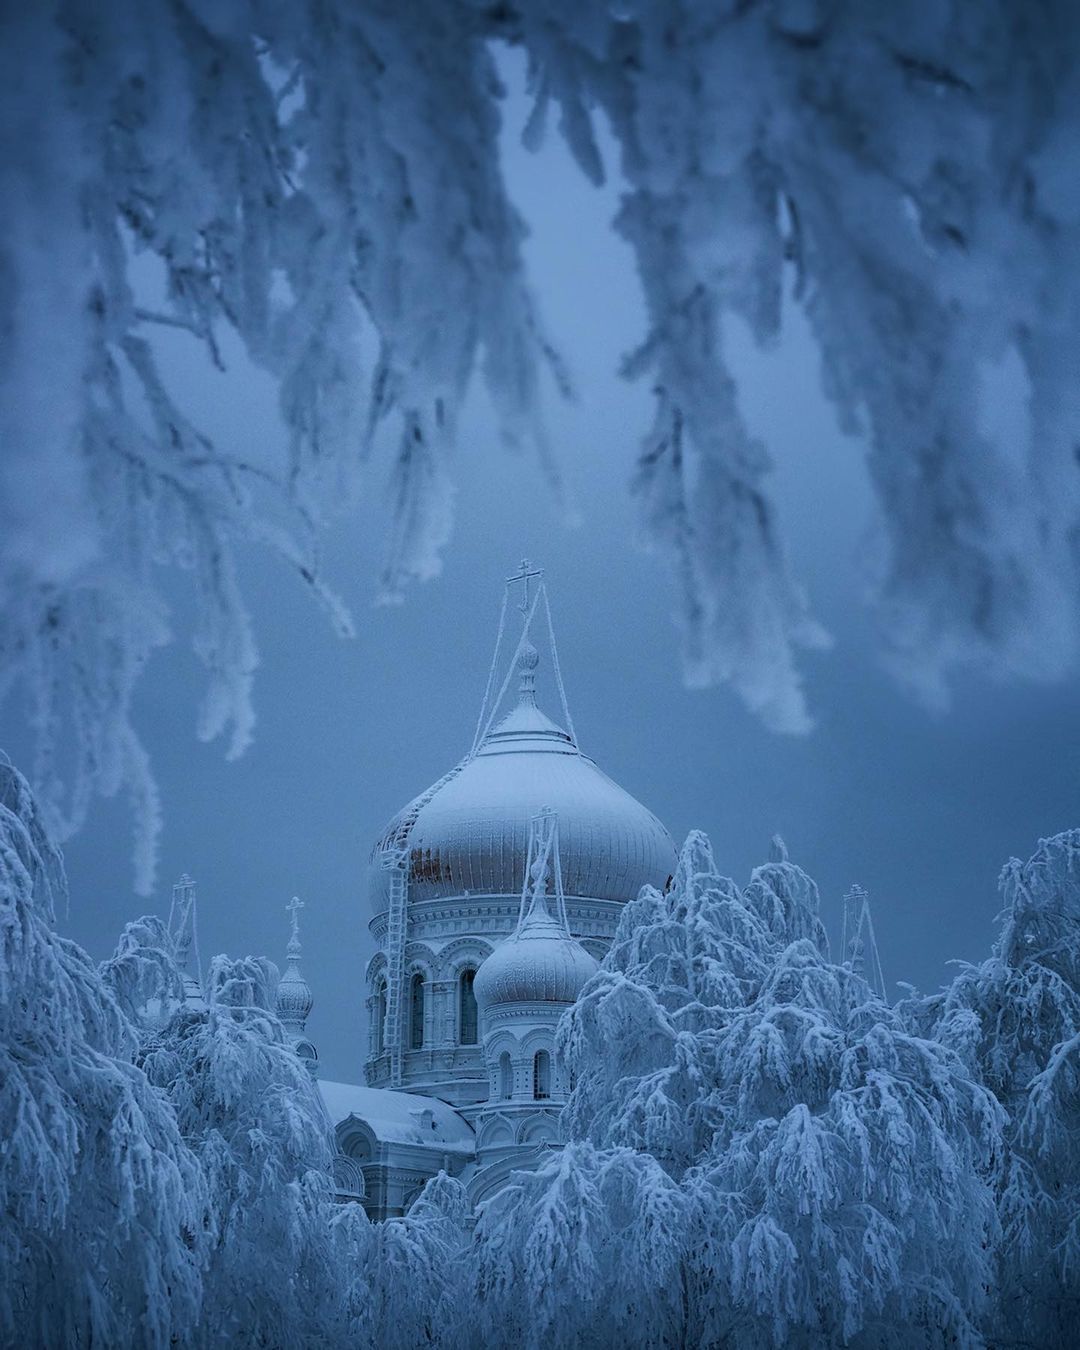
322 184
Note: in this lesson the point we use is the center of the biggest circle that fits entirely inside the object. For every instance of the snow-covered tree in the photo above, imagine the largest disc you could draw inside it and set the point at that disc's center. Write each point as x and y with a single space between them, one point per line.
405 1281
834 1170
319 185
104 1207
251 1113
1016 1017
587 1250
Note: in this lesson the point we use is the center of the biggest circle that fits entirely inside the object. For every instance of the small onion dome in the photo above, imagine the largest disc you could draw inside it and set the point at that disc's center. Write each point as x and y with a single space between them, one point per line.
540 963
294 997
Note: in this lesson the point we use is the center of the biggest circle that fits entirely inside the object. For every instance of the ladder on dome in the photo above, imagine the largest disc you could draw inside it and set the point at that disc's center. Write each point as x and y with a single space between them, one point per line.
395 959
395 858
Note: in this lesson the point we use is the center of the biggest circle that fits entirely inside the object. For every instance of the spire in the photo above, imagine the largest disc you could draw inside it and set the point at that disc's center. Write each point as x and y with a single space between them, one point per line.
183 933
543 877
859 950
294 997
525 658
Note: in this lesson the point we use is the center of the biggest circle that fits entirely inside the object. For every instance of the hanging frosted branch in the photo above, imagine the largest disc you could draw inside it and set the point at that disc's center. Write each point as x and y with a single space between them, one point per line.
321 184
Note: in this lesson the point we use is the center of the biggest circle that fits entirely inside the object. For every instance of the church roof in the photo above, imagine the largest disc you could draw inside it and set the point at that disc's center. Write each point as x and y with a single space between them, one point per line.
397 1117
469 831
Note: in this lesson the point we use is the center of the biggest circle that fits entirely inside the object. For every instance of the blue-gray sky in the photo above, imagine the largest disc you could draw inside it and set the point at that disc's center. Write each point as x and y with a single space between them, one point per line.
920 808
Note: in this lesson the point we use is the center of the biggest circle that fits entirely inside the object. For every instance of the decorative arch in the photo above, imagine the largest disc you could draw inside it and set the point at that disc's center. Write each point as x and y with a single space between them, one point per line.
494 1131
461 952
419 956
356 1141
539 1038
348 1178
538 1130
486 1181
375 967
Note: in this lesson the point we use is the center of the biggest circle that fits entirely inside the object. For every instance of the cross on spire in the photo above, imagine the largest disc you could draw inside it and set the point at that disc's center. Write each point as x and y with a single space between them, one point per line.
293 908
525 574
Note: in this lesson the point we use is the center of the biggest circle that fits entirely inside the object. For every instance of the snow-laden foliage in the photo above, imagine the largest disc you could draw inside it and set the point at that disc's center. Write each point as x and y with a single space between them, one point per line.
404 1280
1017 1018
587 1250
912 164
104 1207
251 1113
824 1158
321 183
294 174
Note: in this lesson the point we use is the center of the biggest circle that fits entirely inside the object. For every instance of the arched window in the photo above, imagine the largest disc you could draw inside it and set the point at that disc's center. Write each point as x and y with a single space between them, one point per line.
380 1017
466 1008
542 1075
416 1012
506 1077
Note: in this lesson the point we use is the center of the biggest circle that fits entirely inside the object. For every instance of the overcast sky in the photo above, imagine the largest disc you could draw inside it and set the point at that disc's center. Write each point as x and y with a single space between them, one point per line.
920 808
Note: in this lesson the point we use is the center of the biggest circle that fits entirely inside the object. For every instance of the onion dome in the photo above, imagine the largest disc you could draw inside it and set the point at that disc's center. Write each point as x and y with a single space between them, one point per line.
469 832
540 963
294 996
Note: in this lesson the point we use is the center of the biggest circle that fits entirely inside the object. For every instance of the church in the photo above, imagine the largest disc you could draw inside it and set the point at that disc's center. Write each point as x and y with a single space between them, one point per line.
494 893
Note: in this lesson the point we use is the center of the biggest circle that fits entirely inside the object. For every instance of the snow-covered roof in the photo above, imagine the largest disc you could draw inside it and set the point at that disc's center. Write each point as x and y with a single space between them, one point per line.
398 1117
469 832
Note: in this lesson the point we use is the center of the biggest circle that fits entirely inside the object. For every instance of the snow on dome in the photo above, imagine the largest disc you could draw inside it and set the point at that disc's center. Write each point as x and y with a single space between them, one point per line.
294 999
469 832
540 963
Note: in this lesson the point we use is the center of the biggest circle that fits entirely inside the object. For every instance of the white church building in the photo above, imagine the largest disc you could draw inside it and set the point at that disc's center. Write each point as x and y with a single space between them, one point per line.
494 894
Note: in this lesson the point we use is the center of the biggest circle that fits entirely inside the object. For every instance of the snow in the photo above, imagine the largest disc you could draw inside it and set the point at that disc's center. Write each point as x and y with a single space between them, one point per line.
396 1117
824 1156
471 832
760 1150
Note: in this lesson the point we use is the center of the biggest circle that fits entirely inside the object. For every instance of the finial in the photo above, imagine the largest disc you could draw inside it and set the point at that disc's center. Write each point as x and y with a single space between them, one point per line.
528 660
293 908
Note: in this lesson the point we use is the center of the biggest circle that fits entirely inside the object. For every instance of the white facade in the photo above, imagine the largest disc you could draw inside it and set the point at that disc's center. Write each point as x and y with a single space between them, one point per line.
449 1029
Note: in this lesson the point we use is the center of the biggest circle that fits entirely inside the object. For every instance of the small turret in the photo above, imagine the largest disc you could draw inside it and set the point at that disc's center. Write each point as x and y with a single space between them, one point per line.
530 979
294 996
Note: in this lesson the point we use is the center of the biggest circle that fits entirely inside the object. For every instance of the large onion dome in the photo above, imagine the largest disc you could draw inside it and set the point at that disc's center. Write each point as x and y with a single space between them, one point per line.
469 832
